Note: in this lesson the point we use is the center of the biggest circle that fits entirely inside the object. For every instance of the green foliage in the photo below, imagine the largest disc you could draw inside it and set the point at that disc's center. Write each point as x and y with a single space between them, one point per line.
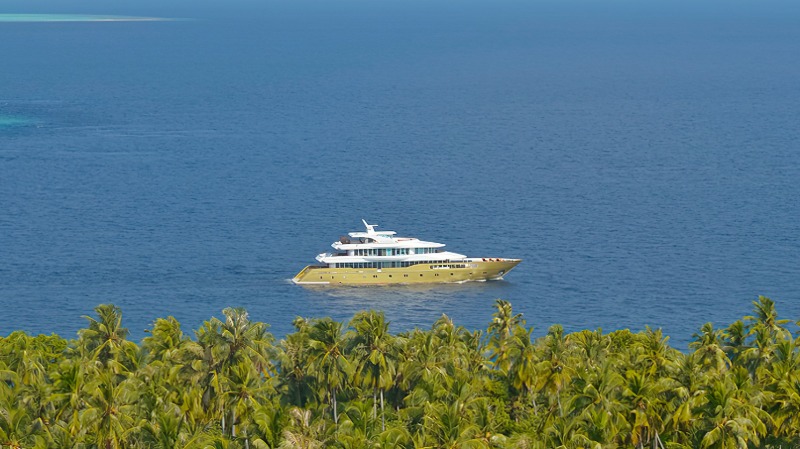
356 385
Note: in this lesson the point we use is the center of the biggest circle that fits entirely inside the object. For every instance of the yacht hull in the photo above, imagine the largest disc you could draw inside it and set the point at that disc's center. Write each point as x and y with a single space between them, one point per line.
450 272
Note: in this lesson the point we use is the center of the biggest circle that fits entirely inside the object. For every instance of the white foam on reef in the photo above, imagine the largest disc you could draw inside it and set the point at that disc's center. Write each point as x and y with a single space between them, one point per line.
75 18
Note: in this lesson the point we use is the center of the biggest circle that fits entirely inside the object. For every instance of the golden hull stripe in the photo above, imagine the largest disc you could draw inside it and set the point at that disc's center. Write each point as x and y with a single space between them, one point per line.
415 274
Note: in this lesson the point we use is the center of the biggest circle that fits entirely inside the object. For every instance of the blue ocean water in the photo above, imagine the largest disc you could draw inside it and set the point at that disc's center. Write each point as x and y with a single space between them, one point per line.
643 158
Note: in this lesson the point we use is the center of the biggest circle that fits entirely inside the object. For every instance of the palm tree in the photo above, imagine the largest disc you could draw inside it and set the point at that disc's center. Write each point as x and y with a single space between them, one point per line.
377 356
27 356
163 376
108 412
25 366
458 348
105 338
422 374
246 340
328 361
16 426
446 425
195 416
554 371
593 346
685 397
221 346
566 433
294 382
767 317
787 409
500 331
247 346
707 346
421 360
522 359
597 397
243 391
164 429
731 421
393 438
69 393
596 428
783 381
656 356
165 341
204 368
735 340
644 397
302 432
268 422
357 421
759 356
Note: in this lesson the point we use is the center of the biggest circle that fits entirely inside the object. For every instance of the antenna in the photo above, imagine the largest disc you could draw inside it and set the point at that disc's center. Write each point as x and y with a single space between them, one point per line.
370 228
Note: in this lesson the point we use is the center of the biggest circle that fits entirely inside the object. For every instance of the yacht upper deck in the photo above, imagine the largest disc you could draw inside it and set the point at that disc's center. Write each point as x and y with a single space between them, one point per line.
380 239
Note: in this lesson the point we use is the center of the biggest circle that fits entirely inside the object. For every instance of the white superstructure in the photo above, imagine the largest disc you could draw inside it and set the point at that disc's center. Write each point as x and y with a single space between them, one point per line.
382 249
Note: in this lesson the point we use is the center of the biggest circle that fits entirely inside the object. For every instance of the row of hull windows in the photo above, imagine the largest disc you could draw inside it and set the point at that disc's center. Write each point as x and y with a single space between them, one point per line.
405 275
395 264
392 251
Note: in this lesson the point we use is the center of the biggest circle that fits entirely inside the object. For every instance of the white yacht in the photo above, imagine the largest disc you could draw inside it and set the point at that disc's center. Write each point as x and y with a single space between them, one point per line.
380 257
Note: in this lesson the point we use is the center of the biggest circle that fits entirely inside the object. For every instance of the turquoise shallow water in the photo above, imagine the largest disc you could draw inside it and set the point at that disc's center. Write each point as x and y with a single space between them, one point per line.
9 121
641 159
71 18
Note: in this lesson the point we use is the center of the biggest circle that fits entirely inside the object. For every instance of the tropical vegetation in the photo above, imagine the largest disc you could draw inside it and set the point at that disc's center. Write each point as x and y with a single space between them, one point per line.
356 385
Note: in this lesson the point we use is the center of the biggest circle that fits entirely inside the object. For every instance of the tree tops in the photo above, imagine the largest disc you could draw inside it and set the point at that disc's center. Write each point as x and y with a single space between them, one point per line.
356 385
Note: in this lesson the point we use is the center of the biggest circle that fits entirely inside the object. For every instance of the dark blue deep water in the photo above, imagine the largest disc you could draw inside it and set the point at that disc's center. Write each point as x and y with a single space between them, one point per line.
643 158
